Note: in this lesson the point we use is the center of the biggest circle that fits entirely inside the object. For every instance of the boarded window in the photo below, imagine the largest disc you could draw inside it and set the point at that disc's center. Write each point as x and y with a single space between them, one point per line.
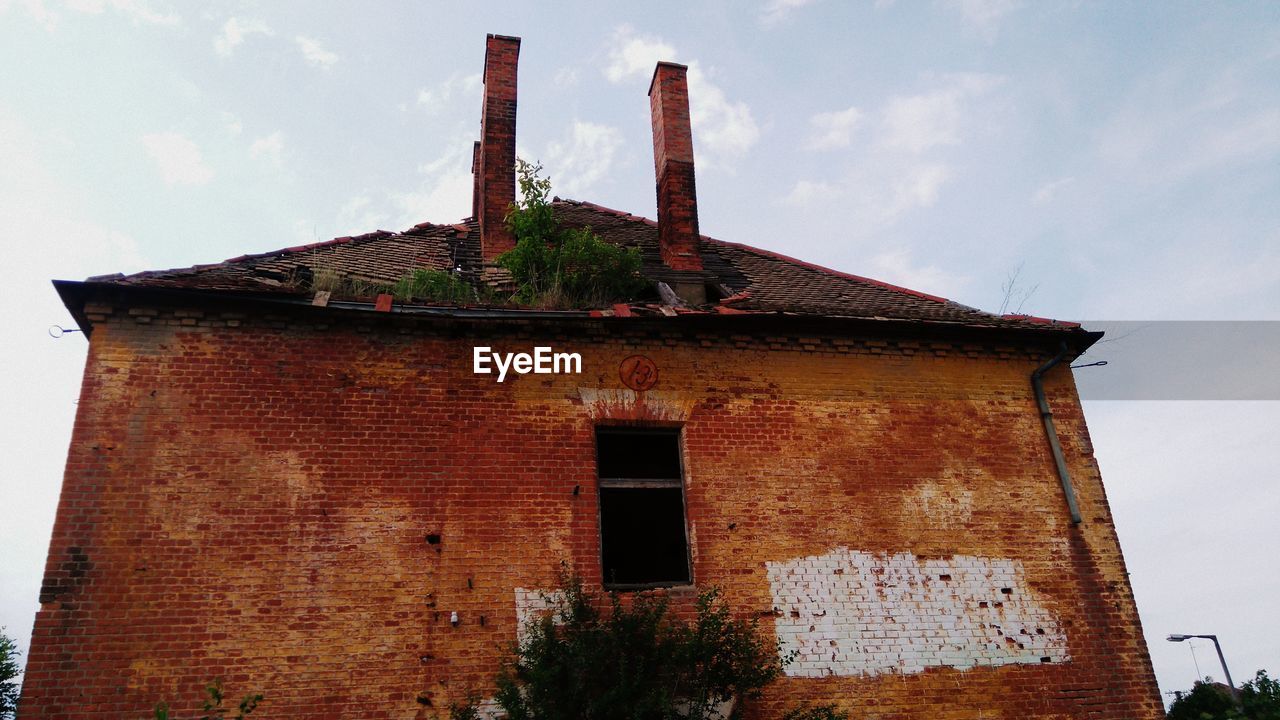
642 526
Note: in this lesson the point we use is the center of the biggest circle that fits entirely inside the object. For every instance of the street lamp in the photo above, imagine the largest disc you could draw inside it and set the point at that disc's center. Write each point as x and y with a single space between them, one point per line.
1223 660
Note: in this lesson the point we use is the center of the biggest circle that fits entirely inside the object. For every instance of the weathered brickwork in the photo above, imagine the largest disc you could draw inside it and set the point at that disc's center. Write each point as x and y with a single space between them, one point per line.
300 505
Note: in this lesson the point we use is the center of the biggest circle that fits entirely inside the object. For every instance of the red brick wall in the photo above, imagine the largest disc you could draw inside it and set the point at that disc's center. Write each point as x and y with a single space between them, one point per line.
250 499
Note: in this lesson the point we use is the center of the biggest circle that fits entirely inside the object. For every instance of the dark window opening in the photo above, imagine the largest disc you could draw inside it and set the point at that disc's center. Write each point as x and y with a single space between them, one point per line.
638 455
642 526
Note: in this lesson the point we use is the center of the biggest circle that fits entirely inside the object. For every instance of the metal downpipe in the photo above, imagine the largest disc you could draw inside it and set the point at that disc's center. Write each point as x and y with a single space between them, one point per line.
1051 432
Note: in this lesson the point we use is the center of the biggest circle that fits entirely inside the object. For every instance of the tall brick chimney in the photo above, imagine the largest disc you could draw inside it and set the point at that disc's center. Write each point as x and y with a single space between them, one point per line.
673 161
495 187
475 180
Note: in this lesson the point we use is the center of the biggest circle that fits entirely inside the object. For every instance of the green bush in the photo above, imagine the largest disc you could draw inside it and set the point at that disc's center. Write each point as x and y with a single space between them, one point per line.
9 672
817 712
435 286
1259 700
1261 697
213 709
555 267
633 661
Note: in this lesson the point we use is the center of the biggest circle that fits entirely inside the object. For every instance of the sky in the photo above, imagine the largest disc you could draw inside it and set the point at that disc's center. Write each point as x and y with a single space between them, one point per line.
1105 161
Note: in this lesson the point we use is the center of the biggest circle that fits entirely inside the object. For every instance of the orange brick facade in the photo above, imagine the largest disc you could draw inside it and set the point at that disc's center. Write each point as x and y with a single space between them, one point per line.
250 497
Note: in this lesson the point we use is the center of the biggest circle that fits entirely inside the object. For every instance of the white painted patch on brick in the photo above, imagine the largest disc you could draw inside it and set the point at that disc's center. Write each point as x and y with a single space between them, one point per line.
945 505
531 604
609 404
489 709
855 613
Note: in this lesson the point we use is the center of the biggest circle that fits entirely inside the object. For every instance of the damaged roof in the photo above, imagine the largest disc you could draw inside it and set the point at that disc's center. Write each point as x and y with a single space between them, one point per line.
740 278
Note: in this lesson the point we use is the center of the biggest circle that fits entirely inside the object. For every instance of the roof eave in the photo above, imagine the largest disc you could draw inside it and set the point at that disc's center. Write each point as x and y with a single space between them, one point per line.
75 294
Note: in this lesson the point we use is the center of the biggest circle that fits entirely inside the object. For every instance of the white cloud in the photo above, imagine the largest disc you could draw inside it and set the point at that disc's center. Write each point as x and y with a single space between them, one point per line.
775 11
38 12
916 123
584 158
566 77
1190 484
42 375
878 191
361 214
982 17
235 31
633 56
268 148
918 187
899 268
443 195
1046 192
1160 138
35 199
232 124
895 170
445 192
178 159
457 85
138 11
1245 139
809 193
833 129
723 130
1236 276
316 53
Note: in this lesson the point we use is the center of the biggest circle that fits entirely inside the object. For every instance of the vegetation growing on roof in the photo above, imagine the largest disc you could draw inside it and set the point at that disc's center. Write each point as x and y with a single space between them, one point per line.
555 267
340 284
426 285
551 266
437 286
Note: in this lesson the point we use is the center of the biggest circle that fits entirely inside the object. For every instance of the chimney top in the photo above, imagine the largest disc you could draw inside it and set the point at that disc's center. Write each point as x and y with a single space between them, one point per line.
492 40
678 236
661 64
495 181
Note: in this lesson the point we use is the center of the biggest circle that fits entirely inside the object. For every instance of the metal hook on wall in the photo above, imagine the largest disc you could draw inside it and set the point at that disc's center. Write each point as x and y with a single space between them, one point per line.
57 331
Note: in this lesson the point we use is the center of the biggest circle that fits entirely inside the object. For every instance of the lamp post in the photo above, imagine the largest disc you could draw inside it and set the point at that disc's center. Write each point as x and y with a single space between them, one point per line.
1223 660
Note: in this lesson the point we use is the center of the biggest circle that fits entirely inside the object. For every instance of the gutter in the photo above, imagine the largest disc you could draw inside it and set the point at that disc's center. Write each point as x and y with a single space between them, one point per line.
75 293
1047 416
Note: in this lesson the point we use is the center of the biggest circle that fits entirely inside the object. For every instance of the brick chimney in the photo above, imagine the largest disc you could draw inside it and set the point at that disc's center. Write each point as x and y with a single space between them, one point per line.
495 182
475 180
673 161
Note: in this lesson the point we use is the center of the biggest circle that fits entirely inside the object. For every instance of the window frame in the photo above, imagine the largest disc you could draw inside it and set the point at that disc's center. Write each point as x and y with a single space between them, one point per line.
603 483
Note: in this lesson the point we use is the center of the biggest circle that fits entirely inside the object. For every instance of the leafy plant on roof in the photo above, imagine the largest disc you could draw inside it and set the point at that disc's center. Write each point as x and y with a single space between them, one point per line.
557 267
322 277
430 285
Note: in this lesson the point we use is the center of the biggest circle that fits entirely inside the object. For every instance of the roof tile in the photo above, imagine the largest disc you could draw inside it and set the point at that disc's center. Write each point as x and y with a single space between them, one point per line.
756 280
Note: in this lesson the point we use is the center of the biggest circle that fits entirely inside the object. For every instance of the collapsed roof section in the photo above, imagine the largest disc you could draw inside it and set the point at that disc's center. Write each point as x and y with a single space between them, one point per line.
739 278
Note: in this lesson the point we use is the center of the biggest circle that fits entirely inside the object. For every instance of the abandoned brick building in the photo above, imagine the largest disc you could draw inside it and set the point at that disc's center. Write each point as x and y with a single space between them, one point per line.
315 495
